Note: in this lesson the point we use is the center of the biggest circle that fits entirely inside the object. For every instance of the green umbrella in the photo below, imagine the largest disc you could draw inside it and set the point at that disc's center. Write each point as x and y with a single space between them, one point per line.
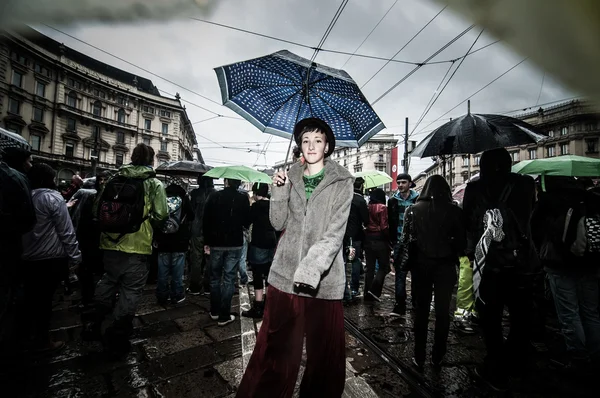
567 165
241 173
374 178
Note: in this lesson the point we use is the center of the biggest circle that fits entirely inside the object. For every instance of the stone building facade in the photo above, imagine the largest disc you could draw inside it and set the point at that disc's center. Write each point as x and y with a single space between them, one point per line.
573 128
72 108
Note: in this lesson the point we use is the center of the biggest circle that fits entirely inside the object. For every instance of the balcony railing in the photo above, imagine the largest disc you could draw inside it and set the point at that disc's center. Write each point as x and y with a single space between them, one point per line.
90 115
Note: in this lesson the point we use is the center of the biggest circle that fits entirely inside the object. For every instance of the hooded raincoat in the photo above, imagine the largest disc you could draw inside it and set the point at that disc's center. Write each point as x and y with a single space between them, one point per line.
140 242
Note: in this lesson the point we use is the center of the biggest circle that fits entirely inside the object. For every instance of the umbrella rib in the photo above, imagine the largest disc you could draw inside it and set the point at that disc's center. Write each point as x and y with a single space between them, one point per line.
277 72
340 95
336 111
282 105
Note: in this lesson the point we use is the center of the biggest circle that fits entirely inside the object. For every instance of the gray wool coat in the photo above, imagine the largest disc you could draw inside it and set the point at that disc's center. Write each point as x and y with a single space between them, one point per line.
310 249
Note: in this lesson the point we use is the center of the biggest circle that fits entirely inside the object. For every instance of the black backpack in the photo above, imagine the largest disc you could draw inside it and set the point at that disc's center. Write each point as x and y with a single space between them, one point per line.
121 206
514 251
17 214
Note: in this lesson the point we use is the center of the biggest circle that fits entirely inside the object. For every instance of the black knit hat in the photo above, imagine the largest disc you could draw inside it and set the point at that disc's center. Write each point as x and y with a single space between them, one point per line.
407 177
316 123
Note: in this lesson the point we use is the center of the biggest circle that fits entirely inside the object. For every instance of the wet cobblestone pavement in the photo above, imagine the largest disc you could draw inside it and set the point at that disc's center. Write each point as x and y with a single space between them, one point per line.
178 351
394 335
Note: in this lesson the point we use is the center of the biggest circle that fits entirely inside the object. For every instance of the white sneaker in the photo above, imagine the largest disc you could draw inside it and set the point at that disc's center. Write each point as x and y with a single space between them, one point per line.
227 322
213 317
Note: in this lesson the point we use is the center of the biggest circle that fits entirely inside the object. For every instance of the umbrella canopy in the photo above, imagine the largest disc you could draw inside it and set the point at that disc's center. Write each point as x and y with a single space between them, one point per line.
8 139
183 167
567 165
374 178
276 91
241 173
473 133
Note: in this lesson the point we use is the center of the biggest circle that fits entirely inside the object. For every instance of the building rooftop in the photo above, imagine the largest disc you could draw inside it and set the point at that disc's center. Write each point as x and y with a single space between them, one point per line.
53 46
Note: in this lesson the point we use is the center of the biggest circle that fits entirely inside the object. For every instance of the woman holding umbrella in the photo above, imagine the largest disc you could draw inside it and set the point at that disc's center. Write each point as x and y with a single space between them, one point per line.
311 203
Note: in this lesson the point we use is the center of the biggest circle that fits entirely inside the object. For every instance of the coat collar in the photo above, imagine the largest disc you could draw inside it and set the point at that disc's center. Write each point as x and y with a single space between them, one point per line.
333 173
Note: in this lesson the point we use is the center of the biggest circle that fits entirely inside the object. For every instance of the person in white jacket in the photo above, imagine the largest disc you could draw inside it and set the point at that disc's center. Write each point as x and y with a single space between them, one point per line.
48 251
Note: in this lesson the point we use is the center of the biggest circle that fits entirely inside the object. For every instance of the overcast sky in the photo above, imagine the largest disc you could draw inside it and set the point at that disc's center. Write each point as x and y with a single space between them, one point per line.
186 51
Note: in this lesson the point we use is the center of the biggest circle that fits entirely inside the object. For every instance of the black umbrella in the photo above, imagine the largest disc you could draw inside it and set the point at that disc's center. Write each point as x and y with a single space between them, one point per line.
474 133
183 167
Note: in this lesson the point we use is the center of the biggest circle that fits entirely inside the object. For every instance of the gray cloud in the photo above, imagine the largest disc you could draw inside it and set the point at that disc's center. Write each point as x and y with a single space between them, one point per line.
186 52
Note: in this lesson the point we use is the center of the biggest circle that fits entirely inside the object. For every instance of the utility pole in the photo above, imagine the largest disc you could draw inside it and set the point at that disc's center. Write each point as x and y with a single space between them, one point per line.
406 146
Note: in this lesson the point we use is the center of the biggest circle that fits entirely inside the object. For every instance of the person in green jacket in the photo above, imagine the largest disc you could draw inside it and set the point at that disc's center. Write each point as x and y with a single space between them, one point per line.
126 258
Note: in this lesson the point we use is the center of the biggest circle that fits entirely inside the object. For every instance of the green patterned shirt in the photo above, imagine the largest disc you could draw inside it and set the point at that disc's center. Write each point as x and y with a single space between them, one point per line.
311 182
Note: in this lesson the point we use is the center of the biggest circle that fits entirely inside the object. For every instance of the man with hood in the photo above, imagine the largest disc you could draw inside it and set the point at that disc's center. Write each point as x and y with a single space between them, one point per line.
404 197
510 264
126 256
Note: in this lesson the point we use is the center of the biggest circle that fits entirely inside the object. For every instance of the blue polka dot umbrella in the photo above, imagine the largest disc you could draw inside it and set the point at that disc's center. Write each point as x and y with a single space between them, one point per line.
276 91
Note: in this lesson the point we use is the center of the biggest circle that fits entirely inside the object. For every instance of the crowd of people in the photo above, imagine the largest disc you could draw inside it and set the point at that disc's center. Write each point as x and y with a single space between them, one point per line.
308 239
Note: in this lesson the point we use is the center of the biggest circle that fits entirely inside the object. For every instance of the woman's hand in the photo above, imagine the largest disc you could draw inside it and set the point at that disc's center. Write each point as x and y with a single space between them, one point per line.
280 178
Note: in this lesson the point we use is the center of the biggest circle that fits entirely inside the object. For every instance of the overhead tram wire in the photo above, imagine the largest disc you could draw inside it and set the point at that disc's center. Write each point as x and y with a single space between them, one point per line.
327 50
476 92
439 92
336 16
445 46
370 33
404 46
151 73
541 87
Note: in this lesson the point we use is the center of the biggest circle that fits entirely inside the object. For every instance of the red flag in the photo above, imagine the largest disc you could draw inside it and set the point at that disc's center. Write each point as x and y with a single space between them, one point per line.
394 172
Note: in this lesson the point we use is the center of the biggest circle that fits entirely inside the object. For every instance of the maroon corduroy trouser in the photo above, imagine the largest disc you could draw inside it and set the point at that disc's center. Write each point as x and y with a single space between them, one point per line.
274 364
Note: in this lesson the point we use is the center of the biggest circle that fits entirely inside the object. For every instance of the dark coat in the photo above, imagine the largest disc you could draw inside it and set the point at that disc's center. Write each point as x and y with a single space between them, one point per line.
435 226
263 233
358 218
549 220
484 194
396 208
179 241
199 196
226 214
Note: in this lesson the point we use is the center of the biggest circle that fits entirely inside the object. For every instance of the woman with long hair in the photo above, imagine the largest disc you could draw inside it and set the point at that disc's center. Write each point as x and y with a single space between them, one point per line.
311 202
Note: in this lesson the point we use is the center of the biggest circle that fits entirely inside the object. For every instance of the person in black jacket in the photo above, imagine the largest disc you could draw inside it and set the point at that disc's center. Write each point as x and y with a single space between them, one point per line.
573 279
510 264
226 214
173 245
433 238
262 247
354 237
199 270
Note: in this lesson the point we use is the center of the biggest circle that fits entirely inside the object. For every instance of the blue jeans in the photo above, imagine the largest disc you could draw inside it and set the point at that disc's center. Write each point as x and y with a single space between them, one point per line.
576 302
354 269
243 269
223 270
170 264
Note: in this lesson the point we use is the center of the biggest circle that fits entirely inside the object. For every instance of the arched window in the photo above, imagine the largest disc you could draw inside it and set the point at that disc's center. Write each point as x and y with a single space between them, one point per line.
72 99
97 109
121 116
